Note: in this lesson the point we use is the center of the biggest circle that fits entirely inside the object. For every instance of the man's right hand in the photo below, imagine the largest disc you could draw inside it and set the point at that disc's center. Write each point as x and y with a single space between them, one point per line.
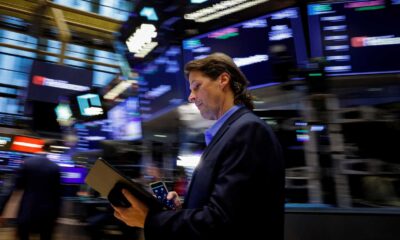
172 195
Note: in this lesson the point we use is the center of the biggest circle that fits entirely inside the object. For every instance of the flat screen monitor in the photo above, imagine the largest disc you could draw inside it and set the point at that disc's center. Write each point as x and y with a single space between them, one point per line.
50 81
90 134
12 160
356 37
5 141
27 144
88 106
73 175
162 86
255 45
125 121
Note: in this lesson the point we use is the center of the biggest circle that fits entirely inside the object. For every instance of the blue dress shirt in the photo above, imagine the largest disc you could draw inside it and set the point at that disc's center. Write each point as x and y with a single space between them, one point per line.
210 133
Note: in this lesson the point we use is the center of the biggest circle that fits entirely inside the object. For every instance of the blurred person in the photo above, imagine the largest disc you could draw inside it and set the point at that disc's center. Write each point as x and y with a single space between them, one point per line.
236 191
180 181
39 181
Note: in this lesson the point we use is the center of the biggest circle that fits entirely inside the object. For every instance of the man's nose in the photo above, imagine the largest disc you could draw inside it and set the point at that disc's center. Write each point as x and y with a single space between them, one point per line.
191 97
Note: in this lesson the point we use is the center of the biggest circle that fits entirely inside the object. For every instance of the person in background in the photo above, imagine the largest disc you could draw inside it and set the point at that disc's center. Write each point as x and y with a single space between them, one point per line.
237 189
180 181
39 180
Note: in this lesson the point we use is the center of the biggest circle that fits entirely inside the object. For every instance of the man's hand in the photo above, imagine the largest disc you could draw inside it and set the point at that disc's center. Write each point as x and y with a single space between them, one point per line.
133 216
172 195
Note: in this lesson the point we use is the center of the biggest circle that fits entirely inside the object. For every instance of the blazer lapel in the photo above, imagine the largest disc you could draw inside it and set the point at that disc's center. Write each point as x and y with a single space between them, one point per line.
215 139
223 129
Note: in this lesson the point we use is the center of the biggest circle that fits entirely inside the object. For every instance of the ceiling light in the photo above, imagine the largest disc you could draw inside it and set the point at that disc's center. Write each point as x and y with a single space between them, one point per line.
221 9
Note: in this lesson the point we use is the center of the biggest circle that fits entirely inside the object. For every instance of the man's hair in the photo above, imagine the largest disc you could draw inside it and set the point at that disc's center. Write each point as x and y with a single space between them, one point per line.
217 63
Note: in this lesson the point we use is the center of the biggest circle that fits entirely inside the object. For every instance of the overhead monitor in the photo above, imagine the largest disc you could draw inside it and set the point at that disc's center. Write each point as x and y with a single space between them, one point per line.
27 144
90 134
73 175
5 141
125 121
50 81
88 106
255 45
356 37
162 85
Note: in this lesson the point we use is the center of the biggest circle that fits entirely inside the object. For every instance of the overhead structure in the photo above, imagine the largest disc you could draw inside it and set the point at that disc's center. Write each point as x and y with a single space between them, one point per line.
57 22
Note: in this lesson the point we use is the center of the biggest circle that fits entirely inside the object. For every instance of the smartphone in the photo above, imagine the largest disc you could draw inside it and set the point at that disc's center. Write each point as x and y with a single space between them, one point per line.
161 192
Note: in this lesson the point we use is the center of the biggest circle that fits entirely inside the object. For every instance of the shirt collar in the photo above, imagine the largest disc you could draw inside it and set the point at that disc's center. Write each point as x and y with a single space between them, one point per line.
212 131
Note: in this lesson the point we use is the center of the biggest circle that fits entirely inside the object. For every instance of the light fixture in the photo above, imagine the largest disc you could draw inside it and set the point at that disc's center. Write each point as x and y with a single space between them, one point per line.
221 9
118 89
197 1
140 42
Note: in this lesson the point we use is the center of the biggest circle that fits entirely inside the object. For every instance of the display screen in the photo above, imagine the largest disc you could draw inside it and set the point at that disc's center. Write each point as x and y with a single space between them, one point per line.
73 175
50 81
255 45
125 121
356 37
12 160
90 134
162 86
27 144
5 141
88 106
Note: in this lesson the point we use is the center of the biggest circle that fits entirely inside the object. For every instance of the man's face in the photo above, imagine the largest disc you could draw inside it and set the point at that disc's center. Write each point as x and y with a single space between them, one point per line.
206 93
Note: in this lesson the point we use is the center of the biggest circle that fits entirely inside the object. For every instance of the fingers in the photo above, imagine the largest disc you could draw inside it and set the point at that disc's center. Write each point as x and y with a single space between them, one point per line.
129 196
172 195
175 198
117 215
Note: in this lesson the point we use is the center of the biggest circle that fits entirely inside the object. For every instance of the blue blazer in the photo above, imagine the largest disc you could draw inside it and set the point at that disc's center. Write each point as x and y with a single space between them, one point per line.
40 179
236 191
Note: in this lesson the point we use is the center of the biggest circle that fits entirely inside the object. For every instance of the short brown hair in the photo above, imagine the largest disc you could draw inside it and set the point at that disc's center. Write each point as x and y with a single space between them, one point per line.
217 63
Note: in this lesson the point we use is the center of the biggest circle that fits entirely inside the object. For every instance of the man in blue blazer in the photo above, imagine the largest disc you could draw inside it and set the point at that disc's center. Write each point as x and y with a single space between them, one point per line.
39 178
236 191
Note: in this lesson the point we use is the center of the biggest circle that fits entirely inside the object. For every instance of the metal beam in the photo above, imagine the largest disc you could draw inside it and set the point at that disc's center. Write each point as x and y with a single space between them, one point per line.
88 23
41 52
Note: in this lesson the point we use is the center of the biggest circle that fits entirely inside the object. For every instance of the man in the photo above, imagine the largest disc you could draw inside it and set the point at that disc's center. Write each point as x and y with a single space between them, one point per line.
236 191
39 179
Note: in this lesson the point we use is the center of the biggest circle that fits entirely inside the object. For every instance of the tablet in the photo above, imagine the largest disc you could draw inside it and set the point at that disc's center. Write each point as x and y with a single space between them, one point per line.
105 179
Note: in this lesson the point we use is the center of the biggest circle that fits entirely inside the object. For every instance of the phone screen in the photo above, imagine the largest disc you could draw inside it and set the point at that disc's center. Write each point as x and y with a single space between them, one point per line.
160 190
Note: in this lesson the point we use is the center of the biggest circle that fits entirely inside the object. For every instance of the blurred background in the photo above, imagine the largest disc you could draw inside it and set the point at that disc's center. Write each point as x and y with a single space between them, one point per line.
104 79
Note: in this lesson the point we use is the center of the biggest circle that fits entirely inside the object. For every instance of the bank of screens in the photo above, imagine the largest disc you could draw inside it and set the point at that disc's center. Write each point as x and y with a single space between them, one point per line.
125 121
356 37
162 86
255 45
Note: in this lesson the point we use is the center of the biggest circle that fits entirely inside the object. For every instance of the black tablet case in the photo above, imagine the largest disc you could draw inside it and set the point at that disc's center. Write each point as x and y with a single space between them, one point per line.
102 177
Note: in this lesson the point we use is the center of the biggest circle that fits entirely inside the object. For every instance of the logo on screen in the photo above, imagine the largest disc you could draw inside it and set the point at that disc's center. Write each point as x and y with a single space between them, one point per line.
90 105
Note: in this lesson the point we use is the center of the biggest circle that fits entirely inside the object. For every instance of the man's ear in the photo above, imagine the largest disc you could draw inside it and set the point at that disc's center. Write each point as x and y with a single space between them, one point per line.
225 79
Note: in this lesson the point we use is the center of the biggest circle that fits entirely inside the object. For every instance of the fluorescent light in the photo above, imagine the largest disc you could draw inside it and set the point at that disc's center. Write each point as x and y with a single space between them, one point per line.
118 89
221 9
141 40
160 136
197 1
188 160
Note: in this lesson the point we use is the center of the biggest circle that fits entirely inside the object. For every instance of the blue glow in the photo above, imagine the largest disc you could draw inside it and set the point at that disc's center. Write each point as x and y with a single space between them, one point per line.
149 13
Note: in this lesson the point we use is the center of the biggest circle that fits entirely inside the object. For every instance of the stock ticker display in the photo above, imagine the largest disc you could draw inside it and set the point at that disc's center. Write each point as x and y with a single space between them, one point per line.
360 37
255 45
